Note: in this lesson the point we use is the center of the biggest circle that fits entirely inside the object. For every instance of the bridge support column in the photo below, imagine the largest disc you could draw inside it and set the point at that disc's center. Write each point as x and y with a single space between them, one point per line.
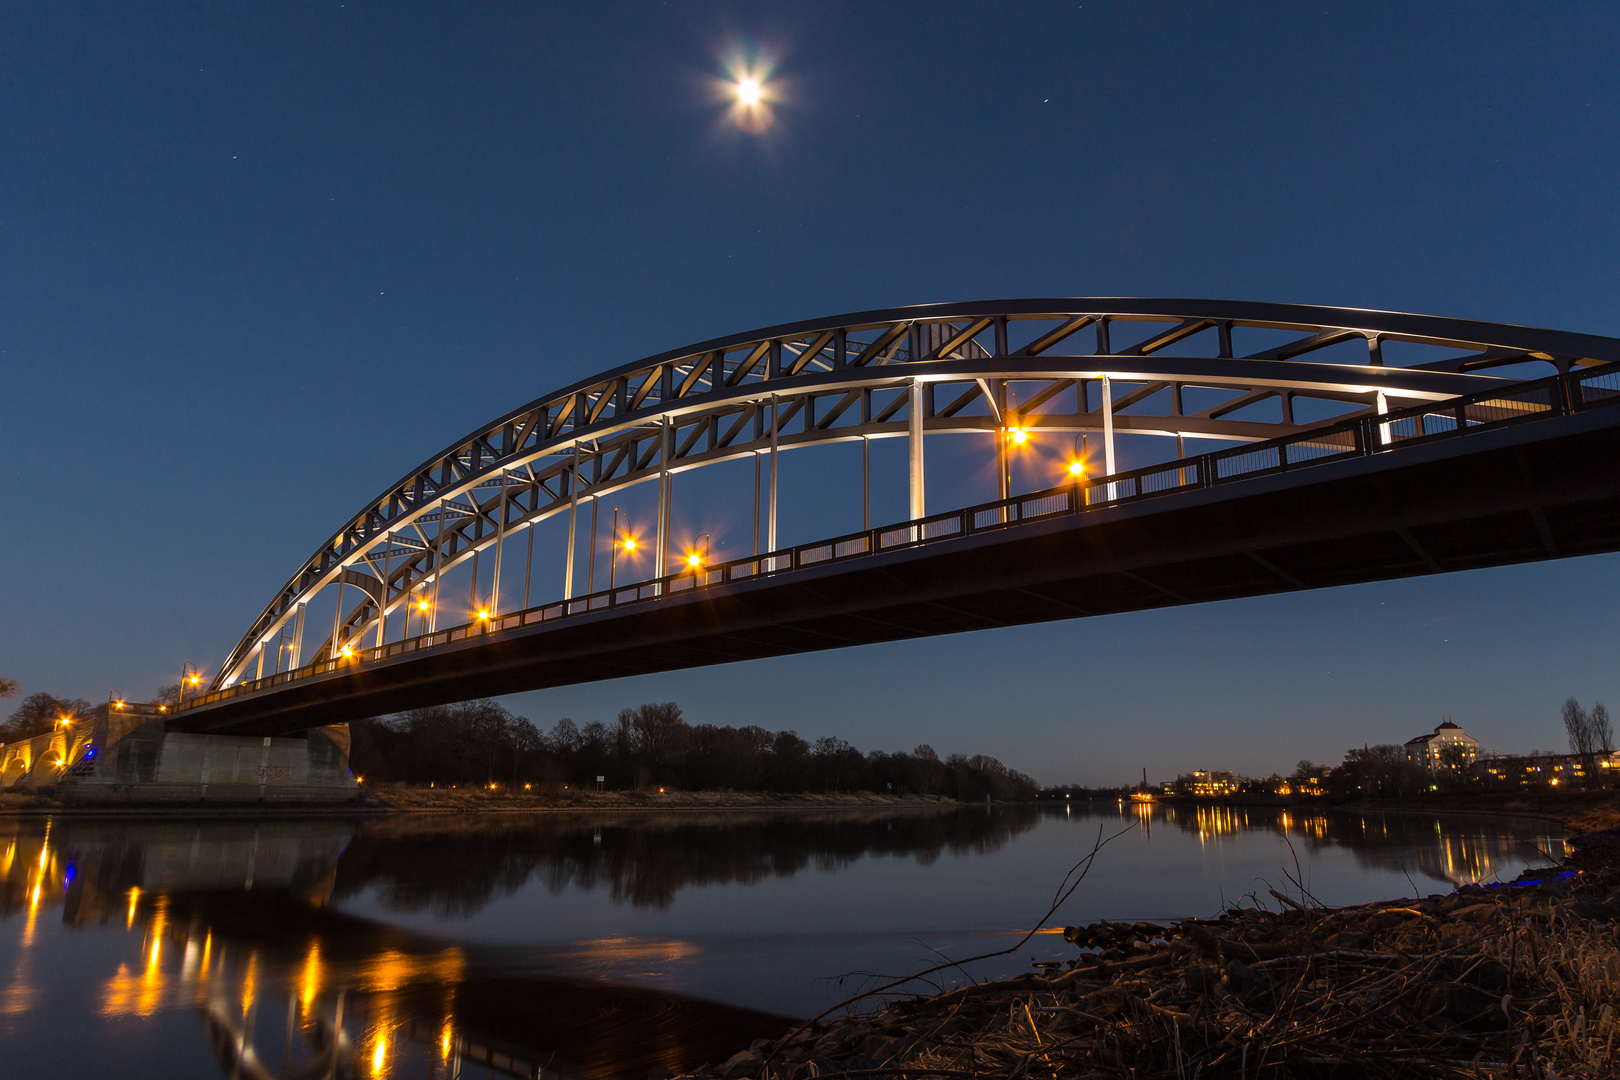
590 560
866 483
1003 464
1108 430
665 448
500 550
298 637
337 623
382 601
770 531
438 567
918 500
573 527
528 567
146 763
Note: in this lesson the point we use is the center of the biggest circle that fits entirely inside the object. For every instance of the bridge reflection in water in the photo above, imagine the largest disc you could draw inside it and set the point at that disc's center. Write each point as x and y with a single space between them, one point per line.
241 922
236 924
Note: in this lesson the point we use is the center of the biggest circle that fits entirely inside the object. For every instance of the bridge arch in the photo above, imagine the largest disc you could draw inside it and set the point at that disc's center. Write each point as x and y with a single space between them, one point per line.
896 373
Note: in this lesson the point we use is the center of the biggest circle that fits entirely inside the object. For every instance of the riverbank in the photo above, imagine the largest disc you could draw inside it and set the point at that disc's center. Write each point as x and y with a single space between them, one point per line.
397 798
1521 978
388 799
1577 811
1511 981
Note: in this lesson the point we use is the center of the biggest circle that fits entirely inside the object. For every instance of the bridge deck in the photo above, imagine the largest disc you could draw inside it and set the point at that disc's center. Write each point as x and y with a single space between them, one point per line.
1515 493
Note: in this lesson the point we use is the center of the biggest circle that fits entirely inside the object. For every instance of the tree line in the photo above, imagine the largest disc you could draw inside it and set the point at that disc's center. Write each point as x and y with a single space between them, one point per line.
39 713
481 742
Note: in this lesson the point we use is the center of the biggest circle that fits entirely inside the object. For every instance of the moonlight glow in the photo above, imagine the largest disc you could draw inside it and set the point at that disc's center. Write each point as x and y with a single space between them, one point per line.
748 89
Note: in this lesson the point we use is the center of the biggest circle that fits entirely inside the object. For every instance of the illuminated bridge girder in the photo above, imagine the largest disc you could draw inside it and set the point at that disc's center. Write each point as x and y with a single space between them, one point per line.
852 377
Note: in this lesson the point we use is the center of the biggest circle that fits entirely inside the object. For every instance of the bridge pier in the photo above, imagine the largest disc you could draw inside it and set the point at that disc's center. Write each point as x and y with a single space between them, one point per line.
139 761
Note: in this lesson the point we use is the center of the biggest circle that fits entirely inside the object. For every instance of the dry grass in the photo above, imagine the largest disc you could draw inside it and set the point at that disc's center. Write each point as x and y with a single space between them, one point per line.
1520 982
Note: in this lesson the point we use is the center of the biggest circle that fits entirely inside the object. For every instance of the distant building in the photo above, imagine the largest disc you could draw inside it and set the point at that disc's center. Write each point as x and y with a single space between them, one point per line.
1426 750
1544 770
1201 783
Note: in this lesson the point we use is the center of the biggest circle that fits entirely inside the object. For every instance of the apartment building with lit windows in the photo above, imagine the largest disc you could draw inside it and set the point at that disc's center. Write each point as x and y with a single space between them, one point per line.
1427 750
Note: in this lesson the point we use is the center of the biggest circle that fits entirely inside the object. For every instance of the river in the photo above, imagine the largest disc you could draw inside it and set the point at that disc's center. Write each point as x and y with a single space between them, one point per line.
604 945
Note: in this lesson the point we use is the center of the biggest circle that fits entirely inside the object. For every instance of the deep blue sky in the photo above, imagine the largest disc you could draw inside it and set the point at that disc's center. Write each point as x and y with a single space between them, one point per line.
256 261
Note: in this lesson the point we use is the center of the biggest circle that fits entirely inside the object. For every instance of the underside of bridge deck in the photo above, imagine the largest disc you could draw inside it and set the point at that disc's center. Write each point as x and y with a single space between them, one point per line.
1517 494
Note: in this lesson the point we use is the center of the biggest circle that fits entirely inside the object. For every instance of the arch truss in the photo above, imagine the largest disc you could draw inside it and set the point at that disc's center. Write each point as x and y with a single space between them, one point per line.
1238 372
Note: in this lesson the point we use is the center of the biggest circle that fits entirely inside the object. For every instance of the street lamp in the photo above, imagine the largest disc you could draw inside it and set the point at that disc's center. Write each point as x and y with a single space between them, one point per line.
189 676
1077 460
622 537
421 603
698 559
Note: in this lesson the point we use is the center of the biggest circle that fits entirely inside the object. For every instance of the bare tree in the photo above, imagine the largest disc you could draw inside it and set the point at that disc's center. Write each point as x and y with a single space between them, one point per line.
1578 726
1602 732
656 732
40 713
1597 721
9 687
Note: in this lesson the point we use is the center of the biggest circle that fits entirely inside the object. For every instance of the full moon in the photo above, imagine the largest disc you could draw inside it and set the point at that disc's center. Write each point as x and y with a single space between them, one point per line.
748 92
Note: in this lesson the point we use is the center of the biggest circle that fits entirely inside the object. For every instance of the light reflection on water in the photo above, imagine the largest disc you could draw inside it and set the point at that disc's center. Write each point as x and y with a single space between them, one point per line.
598 945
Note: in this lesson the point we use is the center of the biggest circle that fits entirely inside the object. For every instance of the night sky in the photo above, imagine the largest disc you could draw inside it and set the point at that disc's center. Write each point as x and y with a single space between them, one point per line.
258 261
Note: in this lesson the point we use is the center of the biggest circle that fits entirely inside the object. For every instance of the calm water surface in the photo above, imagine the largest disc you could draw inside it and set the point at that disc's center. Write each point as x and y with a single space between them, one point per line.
598 945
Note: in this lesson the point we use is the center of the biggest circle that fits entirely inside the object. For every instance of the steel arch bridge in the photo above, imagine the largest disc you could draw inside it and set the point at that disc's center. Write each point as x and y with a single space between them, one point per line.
1283 385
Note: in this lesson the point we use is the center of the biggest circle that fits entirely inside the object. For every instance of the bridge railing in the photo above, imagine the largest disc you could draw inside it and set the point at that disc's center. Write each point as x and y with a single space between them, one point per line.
1362 436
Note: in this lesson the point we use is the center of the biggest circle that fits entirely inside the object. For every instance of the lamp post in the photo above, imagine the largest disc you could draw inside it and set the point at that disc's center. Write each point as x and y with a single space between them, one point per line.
697 559
1077 466
189 676
621 536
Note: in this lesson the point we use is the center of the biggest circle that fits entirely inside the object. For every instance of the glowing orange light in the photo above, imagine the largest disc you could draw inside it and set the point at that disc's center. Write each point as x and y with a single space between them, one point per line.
1077 468
1018 435
483 613
195 679
347 650
421 605
694 560
629 543
163 708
